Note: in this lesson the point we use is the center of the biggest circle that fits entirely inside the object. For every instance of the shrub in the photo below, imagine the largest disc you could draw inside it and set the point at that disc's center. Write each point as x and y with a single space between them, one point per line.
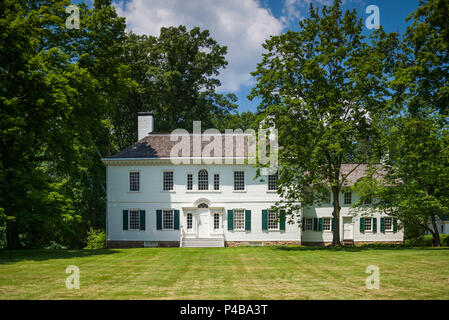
95 239
426 241
55 246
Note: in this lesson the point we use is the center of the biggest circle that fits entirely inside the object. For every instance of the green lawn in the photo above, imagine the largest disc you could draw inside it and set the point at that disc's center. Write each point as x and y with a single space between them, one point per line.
226 273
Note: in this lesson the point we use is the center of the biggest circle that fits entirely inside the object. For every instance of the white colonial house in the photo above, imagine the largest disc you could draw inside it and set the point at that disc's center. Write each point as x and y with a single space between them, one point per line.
153 202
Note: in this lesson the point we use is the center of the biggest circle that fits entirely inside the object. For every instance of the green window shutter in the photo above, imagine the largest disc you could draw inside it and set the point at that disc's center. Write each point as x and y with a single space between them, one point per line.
362 225
374 225
320 224
248 220
125 219
303 223
282 220
332 224
159 219
142 219
315 224
264 219
382 225
395 225
176 220
230 220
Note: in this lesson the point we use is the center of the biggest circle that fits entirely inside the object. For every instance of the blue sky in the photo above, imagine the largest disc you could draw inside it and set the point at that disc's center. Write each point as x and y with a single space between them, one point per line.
243 25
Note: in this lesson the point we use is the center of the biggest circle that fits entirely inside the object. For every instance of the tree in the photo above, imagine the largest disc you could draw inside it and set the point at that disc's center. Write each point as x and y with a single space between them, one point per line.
422 76
245 120
323 85
174 76
414 181
415 141
54 107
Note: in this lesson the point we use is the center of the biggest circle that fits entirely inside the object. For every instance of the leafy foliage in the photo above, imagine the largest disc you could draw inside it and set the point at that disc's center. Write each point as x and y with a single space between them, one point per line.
323 85
96 239
66 99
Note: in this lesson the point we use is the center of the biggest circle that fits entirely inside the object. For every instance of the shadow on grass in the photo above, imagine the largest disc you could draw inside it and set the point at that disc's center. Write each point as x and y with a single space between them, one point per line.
13 256
360 248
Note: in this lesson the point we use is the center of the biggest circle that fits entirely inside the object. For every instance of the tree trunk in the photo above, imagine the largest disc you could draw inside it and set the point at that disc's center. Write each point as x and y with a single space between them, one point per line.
12 236
435 233
336 214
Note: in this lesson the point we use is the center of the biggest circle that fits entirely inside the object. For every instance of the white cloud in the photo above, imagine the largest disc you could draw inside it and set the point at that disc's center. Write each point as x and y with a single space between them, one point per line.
243 26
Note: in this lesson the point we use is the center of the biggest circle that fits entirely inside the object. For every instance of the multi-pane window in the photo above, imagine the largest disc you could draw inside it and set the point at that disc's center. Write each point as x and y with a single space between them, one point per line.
189 221
368 224
239 219
273 222
327 224
348 197
203 180
167 219
203 205
134 181
239 180
168 180
388 224
134 219
189 181
216 181
272 182
309 224
216 221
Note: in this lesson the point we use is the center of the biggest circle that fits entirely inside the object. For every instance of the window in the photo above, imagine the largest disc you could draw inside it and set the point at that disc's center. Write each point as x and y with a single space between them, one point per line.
368 200
388 224
216 221
309 224
368 224
189 221
348 197
167 219
273 222
134 181
134 219
189 181
239 219
239 180
203 205
327 224
168 180
216 181
272 182
203 180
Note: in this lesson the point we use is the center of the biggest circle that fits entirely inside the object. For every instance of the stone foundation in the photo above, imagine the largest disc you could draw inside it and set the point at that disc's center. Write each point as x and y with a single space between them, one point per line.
114 244
357 243
260 243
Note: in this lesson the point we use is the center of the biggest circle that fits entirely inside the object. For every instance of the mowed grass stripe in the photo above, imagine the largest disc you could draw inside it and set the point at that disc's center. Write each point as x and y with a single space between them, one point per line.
226 273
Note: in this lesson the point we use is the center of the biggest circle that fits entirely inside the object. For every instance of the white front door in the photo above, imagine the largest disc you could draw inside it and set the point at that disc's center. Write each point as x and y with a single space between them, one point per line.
203 223
348 229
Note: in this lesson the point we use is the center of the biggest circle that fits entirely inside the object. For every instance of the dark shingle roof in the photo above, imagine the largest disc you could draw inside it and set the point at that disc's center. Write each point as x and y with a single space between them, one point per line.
158 145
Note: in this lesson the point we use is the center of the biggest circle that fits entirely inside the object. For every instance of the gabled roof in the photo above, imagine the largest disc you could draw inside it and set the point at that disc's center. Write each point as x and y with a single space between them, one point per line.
158 145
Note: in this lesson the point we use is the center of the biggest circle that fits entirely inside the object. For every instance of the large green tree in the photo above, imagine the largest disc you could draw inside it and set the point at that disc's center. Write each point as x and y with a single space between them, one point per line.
413 182
175 76
414 140
323 85
54 116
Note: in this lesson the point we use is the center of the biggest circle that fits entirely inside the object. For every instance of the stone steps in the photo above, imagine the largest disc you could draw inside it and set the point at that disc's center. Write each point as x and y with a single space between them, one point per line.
202 243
